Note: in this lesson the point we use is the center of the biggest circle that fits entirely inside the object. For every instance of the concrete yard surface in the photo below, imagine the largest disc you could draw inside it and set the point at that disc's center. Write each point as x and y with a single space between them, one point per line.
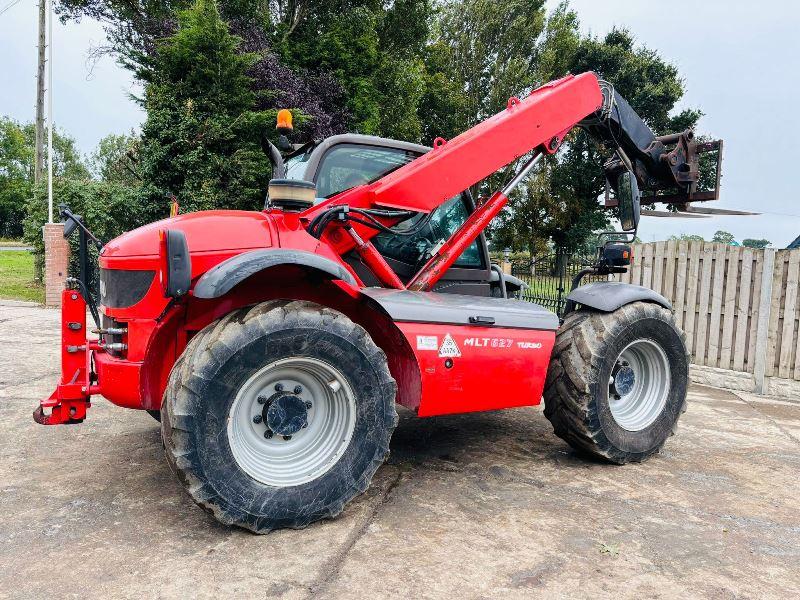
488 505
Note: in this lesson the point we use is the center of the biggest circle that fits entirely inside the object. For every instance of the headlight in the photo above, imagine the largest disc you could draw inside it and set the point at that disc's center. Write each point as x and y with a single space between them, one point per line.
121 288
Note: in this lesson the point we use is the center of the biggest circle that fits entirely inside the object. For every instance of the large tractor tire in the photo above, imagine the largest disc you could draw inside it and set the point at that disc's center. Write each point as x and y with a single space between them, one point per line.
617 381
279 414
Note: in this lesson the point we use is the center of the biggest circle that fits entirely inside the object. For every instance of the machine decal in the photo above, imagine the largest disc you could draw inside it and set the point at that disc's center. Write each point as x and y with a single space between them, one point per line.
529 345
427 342
449 348
487 342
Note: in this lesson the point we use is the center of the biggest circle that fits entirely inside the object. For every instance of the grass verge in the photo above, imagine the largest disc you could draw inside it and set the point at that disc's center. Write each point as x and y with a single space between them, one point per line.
16 277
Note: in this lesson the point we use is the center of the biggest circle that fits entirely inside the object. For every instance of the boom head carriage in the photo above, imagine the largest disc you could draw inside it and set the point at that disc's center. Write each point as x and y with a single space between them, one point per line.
675 168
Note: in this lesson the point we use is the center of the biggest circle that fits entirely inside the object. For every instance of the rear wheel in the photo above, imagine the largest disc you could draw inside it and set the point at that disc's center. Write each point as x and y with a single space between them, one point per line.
617 381
278 415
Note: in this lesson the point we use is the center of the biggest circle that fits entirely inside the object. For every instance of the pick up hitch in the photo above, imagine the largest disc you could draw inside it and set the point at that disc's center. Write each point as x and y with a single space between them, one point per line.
70 400
63 412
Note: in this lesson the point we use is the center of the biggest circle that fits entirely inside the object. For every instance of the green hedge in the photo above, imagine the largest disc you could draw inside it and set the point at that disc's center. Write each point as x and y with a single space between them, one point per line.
108 209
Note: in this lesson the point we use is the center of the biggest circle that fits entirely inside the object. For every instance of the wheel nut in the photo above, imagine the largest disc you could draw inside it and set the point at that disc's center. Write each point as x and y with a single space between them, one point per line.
257 419
298 389
268 434
287 437
308 404
261 399
278 387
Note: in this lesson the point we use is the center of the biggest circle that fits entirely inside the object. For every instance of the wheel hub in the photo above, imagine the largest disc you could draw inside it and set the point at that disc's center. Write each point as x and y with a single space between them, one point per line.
624 380
286 415
291 421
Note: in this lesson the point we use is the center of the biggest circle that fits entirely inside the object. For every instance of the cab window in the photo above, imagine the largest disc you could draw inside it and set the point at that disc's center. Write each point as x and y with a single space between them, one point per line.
296 166
442 223
348 165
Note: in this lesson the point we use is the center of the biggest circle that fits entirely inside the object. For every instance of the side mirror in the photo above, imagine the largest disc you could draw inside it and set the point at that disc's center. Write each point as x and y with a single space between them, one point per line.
176 263
71 224
628 197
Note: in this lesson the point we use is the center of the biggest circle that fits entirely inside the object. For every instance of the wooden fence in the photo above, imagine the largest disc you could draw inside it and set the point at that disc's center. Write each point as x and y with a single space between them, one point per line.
738 306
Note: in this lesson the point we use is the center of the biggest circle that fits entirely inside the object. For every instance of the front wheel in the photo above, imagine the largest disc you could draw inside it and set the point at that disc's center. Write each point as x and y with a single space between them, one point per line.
278 415
617 381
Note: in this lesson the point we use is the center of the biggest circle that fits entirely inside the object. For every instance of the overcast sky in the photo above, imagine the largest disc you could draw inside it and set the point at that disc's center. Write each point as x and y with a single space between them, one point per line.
739 60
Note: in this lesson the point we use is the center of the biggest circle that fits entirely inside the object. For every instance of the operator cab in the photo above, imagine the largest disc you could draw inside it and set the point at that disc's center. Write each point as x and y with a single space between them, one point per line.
345 161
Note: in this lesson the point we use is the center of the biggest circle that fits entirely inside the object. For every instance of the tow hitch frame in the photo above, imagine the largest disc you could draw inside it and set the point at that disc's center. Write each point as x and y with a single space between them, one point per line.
71 399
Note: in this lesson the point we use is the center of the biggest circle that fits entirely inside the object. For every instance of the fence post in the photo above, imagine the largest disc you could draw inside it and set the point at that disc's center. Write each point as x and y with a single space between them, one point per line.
507 261
762 331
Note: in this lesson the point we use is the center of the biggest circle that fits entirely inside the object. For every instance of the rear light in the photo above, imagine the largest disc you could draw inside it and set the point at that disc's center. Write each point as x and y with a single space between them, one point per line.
615 254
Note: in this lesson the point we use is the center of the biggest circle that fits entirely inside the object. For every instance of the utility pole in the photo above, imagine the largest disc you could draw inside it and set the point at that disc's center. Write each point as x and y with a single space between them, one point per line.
56 248
50 123
39 164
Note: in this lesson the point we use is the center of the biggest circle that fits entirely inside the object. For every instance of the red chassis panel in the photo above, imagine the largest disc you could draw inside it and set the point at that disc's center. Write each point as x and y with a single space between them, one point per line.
467 369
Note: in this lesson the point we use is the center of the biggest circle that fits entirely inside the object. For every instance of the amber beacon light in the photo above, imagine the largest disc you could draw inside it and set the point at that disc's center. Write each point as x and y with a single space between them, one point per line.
284 124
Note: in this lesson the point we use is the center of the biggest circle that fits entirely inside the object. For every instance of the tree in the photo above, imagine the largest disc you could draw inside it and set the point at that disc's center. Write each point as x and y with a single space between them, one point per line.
332 60
566 210
17 144
723 237
114 159
16 177
202 139
491 51
652 87
753 243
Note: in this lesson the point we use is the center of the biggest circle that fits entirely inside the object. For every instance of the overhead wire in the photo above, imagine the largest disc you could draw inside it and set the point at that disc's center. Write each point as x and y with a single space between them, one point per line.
11 5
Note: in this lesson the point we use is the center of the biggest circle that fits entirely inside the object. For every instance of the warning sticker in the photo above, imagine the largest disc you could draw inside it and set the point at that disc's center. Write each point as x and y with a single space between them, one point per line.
427 342
449 348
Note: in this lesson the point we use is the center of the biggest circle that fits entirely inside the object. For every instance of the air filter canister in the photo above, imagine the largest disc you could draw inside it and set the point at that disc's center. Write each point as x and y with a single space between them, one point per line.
292 195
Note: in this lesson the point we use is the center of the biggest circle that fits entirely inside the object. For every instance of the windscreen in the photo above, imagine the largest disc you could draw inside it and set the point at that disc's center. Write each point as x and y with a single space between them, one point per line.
349 165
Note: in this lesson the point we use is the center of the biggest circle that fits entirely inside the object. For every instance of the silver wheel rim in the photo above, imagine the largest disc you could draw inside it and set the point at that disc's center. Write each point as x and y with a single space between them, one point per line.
310 452
643 375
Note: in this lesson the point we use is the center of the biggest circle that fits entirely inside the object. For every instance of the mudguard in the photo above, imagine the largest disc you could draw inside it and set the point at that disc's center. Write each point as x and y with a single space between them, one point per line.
607 296
223 277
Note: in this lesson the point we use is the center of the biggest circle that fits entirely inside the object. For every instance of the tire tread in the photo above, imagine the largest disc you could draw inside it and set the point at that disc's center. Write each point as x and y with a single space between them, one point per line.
576 361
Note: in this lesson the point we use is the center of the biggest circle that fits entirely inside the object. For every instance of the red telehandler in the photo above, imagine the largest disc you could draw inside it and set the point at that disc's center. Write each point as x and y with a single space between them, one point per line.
274 345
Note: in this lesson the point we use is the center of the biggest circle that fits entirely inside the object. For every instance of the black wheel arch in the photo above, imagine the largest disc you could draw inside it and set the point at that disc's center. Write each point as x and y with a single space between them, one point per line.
608 296
219 280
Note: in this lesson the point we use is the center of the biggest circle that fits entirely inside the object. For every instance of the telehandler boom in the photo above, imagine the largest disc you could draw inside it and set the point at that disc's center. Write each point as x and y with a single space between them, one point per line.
274 345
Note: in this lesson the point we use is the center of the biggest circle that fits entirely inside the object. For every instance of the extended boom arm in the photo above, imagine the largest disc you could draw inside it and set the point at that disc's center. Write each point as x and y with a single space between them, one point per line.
537 123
